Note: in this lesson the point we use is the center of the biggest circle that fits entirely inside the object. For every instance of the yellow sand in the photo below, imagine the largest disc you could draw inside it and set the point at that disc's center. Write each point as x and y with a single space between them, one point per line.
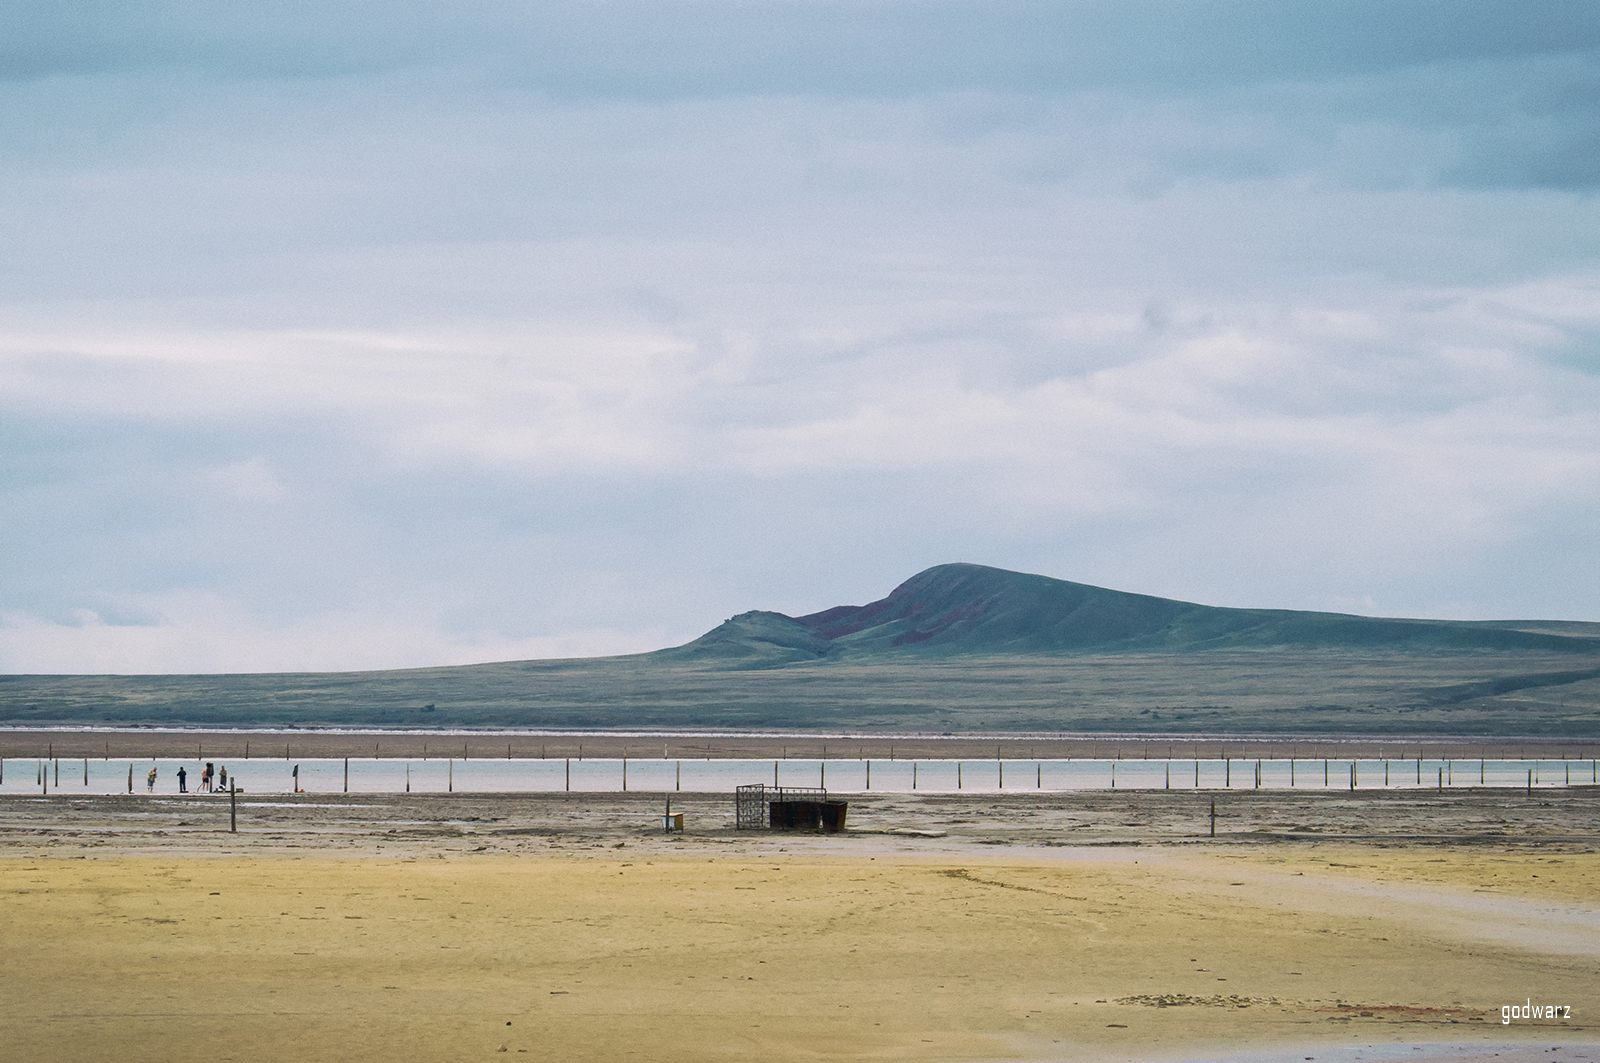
141 959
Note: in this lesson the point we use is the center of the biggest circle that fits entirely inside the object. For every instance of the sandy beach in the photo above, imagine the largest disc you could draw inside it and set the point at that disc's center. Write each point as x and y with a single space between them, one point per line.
1100 926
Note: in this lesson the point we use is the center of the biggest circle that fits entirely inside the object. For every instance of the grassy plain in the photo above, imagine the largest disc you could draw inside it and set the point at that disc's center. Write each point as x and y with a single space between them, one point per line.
1277 691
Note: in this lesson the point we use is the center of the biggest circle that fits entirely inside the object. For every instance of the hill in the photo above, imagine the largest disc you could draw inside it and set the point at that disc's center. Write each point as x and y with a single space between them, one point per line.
954 648
973 609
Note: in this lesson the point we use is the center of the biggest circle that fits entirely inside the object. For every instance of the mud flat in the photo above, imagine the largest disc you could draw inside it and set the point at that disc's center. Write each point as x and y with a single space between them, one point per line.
1054 927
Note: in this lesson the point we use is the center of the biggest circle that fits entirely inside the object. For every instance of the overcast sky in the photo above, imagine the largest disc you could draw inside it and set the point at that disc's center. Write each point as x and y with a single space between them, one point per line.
364 335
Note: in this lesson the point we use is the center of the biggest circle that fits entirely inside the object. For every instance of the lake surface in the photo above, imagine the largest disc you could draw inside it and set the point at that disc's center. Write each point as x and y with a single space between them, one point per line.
390 775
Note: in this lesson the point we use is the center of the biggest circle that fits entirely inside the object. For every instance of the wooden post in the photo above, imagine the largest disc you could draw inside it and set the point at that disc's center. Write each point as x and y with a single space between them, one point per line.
569 774
346 774
678 783
130 778
247 750
913 775
233 806
624 774
408 778
1213 817
451 785
86 771
869 776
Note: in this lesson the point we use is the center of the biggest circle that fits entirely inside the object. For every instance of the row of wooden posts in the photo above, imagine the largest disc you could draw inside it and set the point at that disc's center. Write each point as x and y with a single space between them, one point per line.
1445 774
1222 754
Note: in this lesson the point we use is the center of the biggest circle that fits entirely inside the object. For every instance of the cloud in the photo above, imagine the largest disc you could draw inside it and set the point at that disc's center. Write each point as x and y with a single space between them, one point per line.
203 633
483 325
671 48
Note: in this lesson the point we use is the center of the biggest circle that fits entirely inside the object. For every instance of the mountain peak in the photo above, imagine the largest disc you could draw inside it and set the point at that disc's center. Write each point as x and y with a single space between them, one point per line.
965 608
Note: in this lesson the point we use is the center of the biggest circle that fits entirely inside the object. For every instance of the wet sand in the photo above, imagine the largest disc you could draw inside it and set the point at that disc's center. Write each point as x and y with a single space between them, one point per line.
1073 926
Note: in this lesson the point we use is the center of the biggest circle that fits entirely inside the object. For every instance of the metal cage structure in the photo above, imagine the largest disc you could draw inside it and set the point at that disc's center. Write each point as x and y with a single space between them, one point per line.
752 805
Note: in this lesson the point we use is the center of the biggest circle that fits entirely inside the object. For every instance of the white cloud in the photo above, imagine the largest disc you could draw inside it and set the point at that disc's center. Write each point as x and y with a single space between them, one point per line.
631 357
205 633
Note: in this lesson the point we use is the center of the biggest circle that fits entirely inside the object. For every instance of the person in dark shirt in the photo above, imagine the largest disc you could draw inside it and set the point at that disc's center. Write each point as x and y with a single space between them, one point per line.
183 781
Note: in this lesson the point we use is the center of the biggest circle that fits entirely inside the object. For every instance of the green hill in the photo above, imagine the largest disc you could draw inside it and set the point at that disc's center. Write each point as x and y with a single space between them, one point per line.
954 648
972 609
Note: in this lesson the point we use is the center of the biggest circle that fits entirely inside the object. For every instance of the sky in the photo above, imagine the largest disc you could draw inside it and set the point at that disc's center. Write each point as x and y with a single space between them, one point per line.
354 335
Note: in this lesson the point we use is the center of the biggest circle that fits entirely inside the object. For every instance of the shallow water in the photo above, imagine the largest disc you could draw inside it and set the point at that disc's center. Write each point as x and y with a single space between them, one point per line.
392 775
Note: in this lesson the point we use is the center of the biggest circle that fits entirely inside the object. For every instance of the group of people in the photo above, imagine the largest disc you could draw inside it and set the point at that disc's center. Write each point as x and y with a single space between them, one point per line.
212 779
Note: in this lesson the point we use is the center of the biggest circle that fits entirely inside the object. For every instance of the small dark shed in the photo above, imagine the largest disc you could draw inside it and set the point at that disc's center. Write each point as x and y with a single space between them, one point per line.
787 808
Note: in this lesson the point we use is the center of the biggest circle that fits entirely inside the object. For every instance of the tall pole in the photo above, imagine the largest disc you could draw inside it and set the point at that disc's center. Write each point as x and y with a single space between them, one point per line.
233 805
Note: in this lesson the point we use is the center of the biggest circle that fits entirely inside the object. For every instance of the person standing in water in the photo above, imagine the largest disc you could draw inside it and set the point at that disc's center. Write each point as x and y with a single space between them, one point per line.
150 781
183 780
